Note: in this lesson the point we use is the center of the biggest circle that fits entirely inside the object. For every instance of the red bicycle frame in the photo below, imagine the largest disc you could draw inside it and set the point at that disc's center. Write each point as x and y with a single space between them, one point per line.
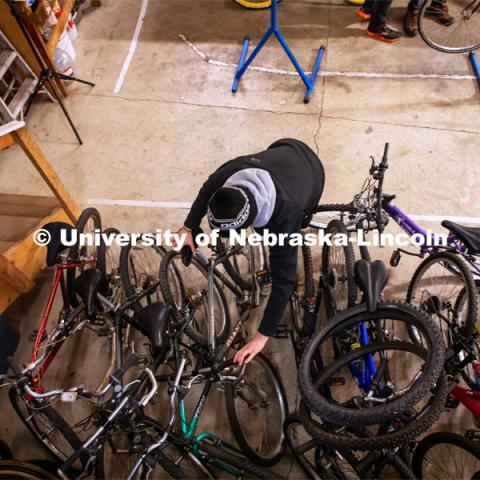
470 398
59 280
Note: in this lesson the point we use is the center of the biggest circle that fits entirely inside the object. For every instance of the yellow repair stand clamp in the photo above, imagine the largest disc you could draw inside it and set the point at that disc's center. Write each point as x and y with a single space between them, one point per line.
254 4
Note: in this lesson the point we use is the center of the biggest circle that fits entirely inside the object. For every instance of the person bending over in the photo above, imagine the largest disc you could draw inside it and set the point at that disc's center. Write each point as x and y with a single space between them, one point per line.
277 189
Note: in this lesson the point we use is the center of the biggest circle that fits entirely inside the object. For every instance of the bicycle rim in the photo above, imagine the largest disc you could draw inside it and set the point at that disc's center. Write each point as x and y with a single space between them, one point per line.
462 35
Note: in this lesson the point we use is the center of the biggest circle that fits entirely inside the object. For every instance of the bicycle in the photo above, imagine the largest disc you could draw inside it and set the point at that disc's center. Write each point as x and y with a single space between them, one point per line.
445 284
460 36
260 387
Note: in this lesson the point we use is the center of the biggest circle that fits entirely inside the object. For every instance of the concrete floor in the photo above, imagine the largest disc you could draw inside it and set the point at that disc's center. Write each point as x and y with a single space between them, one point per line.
175 120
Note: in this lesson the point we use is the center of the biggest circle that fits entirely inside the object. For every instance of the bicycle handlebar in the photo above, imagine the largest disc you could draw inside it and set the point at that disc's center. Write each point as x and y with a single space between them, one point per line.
384 163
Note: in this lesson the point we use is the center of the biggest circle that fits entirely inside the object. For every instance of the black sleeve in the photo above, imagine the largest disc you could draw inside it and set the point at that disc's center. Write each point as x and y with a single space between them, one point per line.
283 269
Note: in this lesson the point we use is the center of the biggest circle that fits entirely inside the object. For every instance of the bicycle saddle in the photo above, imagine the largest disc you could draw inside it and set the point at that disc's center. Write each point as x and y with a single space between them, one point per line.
154 318
470 236
55 245
371 278
87 284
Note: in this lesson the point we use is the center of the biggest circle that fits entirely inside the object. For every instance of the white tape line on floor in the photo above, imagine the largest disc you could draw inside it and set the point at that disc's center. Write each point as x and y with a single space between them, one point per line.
133 46
323 73
187 205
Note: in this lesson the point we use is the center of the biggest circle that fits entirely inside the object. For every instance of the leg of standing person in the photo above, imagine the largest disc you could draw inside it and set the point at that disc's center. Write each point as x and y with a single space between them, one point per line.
410 20
377 27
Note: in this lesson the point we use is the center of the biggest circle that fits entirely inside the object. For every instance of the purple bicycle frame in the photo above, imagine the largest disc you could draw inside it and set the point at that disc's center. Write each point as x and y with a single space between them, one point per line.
411 228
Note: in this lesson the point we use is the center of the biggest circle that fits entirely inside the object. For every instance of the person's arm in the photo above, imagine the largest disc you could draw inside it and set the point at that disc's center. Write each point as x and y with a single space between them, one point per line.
283 270
200 204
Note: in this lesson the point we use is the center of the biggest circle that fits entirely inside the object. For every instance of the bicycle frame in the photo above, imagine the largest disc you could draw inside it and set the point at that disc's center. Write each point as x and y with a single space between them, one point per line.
59 281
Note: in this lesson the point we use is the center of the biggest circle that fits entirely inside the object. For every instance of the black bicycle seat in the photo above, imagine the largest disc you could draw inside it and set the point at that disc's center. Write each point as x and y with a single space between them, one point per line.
87 284
154 318
371 278
470 236
55 245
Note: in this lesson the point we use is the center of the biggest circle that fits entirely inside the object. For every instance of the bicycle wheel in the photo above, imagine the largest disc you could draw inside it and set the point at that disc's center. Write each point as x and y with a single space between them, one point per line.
256 410
399 432
374 387
112 263
255 4
14 469
89 222
193 294
338 262
460 34
245 468
303 301
48 428
438 287
446 455
139 266
243 266
122 447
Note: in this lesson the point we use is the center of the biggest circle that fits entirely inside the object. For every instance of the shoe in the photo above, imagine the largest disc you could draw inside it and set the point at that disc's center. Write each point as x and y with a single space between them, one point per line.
410 23
386 35
358 3
363 14
439 12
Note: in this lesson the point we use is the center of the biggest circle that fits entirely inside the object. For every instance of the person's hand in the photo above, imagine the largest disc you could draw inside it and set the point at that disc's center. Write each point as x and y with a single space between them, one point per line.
247 353
188 242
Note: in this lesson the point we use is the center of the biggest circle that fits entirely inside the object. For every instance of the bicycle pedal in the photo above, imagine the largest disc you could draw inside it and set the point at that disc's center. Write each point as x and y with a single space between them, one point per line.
395 258
282 332
33 336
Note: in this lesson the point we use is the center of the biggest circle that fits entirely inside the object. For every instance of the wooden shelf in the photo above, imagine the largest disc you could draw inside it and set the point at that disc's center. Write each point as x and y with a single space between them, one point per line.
21 215
60 26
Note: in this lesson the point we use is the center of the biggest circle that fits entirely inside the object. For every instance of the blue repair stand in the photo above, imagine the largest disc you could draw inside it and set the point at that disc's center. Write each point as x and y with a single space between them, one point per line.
274 30
475 65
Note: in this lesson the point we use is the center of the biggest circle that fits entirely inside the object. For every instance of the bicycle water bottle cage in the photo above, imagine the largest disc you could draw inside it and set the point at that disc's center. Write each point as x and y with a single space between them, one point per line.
371 278
55 246
154 319
87 284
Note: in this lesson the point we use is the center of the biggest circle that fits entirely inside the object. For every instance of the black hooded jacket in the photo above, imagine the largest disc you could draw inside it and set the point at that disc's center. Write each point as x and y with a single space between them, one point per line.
299 179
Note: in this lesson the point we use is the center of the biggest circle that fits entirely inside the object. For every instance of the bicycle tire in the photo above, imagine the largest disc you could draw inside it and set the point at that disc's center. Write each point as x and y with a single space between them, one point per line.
74 251
339 415
398 438
435 45
447 438
338 227
168 465
190 330
317 470
15 469
55 419
307 295
471 318
241 464
232 271
124 269
236 424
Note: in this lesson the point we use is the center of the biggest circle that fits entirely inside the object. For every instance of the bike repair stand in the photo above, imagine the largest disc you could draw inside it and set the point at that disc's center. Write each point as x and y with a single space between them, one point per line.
243 64
475 65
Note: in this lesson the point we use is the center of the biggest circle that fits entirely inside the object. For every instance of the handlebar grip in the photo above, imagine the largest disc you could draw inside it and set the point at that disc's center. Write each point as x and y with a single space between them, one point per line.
187 255
129 362
384 163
